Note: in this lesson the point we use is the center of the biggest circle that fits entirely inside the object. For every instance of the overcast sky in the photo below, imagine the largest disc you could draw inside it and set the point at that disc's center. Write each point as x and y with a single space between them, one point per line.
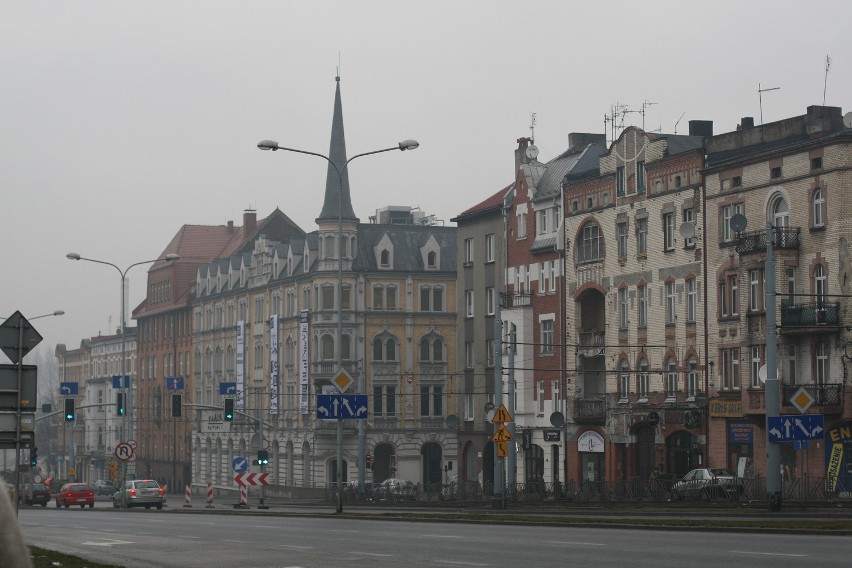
122 121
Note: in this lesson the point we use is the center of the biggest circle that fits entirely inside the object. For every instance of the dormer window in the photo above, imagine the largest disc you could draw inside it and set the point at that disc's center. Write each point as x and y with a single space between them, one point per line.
431 259
384 258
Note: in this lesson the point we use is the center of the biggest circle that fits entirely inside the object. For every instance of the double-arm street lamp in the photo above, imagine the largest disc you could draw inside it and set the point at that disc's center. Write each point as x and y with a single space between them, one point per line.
402 146
126 390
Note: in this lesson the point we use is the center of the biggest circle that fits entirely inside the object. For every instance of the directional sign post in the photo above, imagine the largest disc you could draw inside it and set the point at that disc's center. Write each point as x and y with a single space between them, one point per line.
245 479
174 383
228 388
796 428
240 464
68 388
342 406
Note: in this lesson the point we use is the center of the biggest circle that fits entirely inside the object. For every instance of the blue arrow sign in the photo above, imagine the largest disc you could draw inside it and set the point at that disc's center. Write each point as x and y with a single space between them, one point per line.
174 383
240 464
342 406
68 388
227 388
790 427
116 381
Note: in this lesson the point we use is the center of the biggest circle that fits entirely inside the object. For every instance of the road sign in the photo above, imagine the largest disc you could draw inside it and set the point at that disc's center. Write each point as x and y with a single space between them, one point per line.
788 428
228 388
551 435
116 381
502 434
240 464
9 387
802 400
342 380
502 449
246 479
68 388
174 383
18 337
340 406
124 451
502 415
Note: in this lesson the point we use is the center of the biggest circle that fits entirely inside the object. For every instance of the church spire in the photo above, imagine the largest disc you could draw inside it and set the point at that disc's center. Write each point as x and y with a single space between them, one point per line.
337 199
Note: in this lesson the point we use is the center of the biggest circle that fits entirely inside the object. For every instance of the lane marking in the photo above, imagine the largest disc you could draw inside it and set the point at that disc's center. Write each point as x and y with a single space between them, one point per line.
569 543
369 554
294 547
768 553
441 536
107 542
458 563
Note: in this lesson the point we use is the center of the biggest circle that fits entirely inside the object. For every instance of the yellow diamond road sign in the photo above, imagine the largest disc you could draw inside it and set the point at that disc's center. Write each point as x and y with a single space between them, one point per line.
802 400
342 380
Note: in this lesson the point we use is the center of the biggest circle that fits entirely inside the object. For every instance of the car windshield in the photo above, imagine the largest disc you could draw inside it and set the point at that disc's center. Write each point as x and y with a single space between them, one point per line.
79 487
721 472
147 485
39 487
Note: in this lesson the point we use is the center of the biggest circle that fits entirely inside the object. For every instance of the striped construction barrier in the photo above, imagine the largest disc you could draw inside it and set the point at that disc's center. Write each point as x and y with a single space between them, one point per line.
243 496
209 495
187 494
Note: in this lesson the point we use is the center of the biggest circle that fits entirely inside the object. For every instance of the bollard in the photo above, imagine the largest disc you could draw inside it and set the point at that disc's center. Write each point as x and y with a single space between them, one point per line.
209 495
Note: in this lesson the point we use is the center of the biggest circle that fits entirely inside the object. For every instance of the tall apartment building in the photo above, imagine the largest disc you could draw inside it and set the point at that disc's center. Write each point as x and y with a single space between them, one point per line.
634 287
792 176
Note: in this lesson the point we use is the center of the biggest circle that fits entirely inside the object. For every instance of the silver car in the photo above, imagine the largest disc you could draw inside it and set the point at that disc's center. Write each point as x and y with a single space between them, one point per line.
708 483
139 493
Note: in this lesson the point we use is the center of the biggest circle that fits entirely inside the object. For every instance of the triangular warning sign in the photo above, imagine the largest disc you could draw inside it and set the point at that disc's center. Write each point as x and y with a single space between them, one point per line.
502 415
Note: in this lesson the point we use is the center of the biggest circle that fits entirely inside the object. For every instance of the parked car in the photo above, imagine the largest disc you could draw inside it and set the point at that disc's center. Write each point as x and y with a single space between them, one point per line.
139 493
104 487
75 494
396 489
708 483
37 494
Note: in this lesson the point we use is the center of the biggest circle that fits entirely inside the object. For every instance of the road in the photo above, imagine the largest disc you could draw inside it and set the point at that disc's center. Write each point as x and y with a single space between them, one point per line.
170 538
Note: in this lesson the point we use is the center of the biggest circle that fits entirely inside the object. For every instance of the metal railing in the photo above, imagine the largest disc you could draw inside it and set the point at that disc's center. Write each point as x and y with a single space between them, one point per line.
755 241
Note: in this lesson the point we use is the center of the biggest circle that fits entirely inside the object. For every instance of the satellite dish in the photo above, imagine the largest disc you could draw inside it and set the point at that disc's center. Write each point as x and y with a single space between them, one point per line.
847 120
557 419
739 222
452 421
687 230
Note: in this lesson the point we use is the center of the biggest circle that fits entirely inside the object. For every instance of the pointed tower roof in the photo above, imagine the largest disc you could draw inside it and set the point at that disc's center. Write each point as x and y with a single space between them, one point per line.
337 199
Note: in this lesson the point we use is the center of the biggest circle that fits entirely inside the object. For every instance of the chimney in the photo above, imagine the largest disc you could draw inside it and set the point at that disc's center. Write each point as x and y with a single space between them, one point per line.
230 226
746 123
249 221
521 154
576 139
701 128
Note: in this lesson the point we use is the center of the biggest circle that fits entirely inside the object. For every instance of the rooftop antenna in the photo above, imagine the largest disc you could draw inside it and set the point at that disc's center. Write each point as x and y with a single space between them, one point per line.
678 122
645 104
760 95
825 84
532 128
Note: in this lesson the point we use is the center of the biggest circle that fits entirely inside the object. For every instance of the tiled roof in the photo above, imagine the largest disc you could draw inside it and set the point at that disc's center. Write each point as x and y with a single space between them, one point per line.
492 203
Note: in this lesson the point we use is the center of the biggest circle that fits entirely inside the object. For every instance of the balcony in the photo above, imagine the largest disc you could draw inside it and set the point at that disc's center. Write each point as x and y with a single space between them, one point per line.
589 411
804 318
516 300
754 242
827 396
593 343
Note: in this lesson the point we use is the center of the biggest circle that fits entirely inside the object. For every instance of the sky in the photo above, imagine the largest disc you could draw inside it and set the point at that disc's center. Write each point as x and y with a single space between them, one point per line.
122 121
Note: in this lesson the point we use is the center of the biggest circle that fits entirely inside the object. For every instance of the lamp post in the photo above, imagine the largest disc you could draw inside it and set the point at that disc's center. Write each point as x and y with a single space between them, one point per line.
402 146
125 391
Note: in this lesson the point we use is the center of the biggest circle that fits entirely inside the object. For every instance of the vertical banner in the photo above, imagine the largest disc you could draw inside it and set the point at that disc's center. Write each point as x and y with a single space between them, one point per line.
240 402
304 362
832 470
273 365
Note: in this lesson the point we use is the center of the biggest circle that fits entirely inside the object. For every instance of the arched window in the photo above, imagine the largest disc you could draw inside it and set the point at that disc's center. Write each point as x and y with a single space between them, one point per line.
384 348
590 245
384 258
780 212
431 259
432 349
818 208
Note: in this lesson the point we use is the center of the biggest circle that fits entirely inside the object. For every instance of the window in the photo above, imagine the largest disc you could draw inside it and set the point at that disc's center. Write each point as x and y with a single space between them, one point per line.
468 251
670 302
490 300
737 181
733 294
755 289
384 258
590 243
547 336
327 297
590 202
755 366
692 378
468 303
790 274
541 398
671 378
490 352
431 299
431 259
621 236
791 365
619 181
642 302
624 382
816 163
542 222
641 236
780 212
819 208
643 380
384 297
821 364
384 348
622 308
327 347
468 354
677 181
468 407
691 300
775 173
735 368
432 349
489 248
727 213
575 205
668 231
819 285
522 225
384 401
689 217
724 369
554 396
431 400
552 287
640 176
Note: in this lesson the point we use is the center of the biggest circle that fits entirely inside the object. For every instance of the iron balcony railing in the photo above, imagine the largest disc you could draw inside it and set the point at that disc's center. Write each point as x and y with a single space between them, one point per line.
827 394
814 314
755 241
516 300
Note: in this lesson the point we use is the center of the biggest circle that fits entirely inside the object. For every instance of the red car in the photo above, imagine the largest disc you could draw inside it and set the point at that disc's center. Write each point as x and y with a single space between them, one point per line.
75 494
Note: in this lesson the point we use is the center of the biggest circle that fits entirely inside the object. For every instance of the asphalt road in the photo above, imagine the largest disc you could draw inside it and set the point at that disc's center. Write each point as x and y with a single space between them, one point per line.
166 539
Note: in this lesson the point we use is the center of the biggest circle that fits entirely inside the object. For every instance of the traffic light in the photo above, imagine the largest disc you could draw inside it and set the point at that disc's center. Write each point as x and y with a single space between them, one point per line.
369 461
119 404
69 410
262 457
176 400
33 457
229 410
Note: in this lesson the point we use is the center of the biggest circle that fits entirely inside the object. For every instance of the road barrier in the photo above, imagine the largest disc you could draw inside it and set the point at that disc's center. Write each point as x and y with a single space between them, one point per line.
187 493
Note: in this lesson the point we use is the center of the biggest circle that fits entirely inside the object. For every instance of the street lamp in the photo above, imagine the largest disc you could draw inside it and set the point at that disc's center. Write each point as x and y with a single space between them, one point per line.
402 146
124 391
